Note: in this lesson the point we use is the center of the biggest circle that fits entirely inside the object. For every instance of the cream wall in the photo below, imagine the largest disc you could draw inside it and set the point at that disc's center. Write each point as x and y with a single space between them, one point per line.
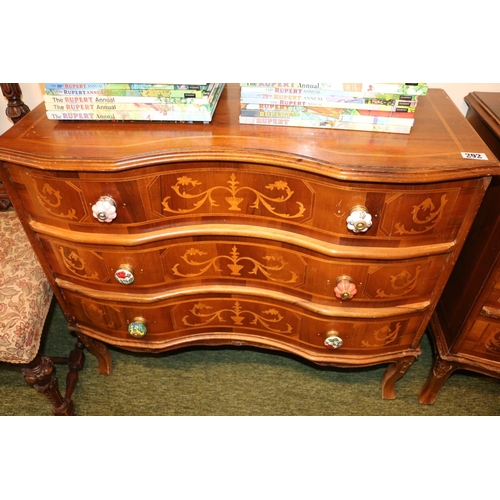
32 94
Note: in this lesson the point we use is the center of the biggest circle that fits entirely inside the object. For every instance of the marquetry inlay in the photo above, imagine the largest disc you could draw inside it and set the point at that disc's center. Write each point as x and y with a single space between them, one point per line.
185 183
51 199
76 264
425 215
237 315
401 284
234 262
383 336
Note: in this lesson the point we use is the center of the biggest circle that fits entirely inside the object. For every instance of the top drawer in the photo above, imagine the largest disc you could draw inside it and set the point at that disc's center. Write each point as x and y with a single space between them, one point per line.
198 193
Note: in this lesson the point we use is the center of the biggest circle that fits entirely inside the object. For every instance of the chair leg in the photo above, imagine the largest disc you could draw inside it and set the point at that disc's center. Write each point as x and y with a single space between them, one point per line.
40 374
74 362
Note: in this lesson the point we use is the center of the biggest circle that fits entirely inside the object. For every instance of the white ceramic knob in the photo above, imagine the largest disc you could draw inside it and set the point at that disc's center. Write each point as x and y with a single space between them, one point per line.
359 219
333 341
105 209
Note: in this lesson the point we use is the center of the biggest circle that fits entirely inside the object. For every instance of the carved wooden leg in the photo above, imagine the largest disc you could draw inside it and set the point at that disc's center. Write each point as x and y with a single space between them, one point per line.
40 374
439 374
392 374
16 108
100 351
75 362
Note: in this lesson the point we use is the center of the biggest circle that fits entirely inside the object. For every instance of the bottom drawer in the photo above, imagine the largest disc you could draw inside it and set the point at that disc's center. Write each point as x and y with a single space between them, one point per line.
482 340
223 319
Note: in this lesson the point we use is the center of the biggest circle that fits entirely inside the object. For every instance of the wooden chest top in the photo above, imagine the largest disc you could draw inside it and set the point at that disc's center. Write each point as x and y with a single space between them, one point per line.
431 152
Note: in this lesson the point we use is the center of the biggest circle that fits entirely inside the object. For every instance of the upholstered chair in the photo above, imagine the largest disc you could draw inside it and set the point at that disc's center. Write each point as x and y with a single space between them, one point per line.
25 299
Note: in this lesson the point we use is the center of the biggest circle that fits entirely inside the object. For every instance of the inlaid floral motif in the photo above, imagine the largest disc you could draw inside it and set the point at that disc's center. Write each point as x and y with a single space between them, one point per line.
51 199
76 265
274 264
237 315
401 284
426 216
385 335
183 184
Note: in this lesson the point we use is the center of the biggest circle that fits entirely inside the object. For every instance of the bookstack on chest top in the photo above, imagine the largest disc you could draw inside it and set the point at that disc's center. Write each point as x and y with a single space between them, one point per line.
332 245
372 107
169 102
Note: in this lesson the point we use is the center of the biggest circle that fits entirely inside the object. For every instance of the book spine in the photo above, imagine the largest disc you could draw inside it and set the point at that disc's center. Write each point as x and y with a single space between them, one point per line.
75 86
306 115
290 122
337 95
403 106
333 93
277 107
396 88
331 98
94 96
71 92
125 90
153 92
121 106
129 116
169 86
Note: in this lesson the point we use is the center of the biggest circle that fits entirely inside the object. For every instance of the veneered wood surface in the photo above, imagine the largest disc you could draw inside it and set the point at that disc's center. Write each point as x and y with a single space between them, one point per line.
431 152
237 233
466 323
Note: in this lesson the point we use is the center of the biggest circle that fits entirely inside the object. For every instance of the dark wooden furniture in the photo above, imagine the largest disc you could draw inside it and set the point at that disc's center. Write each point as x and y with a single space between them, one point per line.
40 372
331 245
466 325
16 109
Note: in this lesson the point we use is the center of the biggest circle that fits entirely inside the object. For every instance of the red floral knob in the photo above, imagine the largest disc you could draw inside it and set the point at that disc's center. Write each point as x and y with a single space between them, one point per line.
345 289
125 275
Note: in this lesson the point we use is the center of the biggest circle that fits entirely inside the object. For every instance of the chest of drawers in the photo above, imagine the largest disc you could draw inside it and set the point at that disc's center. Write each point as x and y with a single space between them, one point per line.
466 324
331 245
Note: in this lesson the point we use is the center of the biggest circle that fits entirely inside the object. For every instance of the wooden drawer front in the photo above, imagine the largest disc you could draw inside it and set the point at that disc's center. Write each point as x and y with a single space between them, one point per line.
492 303
306 204
482 340
309 276
179 321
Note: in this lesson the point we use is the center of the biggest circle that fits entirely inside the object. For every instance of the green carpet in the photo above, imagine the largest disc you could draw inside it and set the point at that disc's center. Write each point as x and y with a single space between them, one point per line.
239 381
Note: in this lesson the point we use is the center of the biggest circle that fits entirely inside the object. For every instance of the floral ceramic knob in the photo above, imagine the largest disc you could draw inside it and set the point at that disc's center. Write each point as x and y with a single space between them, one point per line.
333 341
137 328
125 275
105 209
359 219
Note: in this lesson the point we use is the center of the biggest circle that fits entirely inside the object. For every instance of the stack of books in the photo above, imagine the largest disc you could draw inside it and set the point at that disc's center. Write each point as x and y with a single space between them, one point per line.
373 107
172 102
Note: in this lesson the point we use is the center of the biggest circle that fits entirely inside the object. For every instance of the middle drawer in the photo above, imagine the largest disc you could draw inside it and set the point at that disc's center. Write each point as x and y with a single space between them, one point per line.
290 269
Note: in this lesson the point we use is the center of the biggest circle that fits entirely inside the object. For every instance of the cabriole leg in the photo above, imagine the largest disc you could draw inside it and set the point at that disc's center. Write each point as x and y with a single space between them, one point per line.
100 351
392 374
439 374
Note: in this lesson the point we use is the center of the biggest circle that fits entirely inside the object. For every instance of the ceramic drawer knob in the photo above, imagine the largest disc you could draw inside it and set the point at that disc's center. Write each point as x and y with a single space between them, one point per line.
359 219
105 209
333 341
345 288
125 275
137 328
